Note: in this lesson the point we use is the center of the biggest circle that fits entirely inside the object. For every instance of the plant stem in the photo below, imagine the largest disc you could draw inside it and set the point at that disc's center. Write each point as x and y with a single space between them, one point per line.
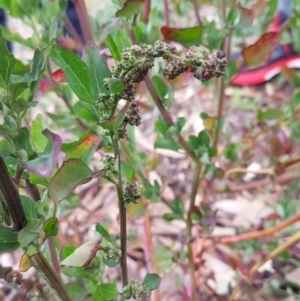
74 34
262 233
166 13
196 9
122 212
12 198
53 255
55 283
221 83
84 21
35 195
196 177
146 12
33 191
282 247
18 217
189 238
18 174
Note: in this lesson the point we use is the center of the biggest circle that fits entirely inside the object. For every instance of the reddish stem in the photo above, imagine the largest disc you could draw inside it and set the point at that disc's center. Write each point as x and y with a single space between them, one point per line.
84 21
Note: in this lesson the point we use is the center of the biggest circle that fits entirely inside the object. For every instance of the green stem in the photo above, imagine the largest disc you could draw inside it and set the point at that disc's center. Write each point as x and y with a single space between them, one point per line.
196 177
16 211
84 21
12 198
35 195
55 283
123 223
221 94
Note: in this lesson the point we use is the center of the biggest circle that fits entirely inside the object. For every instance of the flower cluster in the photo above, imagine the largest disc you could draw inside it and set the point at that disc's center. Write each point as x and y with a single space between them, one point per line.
16 278
133 118
104 106
136 291
137 60
132 192
203 65
109 164
113 253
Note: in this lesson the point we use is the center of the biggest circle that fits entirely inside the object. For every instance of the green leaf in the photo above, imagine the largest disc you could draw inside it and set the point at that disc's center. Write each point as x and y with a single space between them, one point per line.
205 158
116 85
130 175
212 36
74 289
177 207
76 72
97 69
53 29
23 140
38 66
230 152
17 85
171 216
185 36
7 131
193 142
114 123
18 8
39 61
29 207
86 113
5 4
101 230
121 40
85 149
39 141
161 126
50 227
259 52
180 123
15 37
66 251
113 48
72 173
107 291
203 138
44 163
8 239
230 69
35 179
269 114
151 192
6 149
7 62
130 8
168 143
110 263
240 17
159 86
152 281
83 255
29 233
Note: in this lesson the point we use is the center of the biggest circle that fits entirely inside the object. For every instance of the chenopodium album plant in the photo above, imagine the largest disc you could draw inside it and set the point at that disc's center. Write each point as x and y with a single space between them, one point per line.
29 154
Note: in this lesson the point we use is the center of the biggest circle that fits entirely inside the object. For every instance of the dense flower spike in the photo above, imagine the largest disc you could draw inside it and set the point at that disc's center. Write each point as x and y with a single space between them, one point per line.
134 65
109 164
132 192
137 60
113 253
203 65
136 291
104 106
133 115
